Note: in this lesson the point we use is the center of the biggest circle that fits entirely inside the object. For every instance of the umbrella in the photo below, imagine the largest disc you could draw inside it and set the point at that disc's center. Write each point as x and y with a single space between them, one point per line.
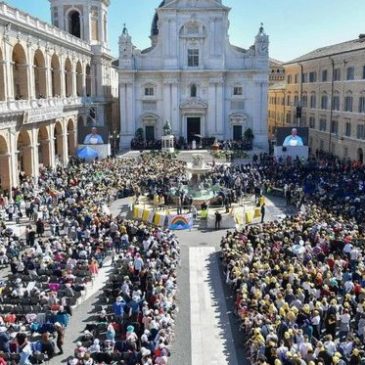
87 153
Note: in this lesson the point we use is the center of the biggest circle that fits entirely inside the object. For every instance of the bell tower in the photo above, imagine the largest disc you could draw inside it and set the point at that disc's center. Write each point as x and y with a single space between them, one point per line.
85 19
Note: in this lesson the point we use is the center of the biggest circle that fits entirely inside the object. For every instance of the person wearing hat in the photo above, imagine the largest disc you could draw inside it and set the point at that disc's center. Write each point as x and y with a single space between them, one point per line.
131 334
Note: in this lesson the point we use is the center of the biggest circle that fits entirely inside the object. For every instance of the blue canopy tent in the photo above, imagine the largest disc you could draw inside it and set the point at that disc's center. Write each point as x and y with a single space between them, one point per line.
87 153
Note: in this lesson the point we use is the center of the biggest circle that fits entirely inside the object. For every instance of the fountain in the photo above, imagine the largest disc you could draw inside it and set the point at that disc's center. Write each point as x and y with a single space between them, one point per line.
200 190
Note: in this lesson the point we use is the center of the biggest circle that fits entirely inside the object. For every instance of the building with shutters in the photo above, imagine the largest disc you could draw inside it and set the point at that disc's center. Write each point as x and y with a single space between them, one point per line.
325 91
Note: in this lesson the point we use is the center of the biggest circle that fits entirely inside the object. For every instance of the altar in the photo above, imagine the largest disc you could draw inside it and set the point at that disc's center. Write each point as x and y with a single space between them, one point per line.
104 150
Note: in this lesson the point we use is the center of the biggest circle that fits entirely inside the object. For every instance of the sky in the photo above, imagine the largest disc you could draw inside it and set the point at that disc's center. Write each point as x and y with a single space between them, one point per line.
295 27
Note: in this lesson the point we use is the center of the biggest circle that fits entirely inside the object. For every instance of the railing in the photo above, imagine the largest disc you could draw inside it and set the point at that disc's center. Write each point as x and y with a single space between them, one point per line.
41 104
43 27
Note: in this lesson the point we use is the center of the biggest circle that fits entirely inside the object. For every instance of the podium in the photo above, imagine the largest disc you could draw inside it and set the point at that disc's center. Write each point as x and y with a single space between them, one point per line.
104 150
302 152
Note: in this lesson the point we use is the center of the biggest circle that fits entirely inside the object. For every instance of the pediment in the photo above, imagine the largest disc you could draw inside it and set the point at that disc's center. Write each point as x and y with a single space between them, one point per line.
235 117
194 104
194 4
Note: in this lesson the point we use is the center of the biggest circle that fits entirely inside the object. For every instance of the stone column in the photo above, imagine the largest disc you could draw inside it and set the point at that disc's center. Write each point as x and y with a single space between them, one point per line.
220 119
30 72
8 71
13 168
260 114
167 103
123 108
8 80
52 154
74 79
48 75
101 26
64 156
34 150
86 22
127 113
83 79
212 106
62 78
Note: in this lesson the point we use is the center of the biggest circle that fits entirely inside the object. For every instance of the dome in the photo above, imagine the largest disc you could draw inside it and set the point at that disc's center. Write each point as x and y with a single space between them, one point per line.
154 27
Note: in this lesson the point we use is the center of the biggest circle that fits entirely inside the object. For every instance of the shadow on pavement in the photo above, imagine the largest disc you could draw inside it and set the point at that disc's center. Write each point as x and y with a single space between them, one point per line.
229 331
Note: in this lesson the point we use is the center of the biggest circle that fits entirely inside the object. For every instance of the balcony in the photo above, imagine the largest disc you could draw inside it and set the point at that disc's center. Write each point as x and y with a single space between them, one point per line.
38 110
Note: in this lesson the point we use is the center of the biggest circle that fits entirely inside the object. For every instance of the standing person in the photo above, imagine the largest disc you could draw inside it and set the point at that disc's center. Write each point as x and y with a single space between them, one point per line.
30 235
261 200
218 219
10 211
47 346
60 337
263 211
288 196
180 203
40 227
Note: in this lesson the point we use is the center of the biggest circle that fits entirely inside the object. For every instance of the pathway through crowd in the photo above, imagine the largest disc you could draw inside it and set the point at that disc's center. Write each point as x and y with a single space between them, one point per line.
206 330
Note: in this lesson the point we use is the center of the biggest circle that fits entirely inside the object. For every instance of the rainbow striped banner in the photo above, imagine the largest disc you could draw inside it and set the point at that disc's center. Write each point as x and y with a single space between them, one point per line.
180 222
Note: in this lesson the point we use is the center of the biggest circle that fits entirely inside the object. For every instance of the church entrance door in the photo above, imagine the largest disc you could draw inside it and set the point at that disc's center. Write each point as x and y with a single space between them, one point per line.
193 128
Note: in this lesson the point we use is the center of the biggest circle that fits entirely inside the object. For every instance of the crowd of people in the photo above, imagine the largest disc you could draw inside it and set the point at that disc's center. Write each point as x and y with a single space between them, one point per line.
134 320
69 235
299 282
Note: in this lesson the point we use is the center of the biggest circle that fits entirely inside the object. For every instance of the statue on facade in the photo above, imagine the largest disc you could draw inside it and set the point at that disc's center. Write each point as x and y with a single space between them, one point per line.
262 42
167 130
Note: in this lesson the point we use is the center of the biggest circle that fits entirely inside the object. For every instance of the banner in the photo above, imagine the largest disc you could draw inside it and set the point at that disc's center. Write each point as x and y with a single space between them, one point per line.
137 212
159 219
148 216
249 216
180 222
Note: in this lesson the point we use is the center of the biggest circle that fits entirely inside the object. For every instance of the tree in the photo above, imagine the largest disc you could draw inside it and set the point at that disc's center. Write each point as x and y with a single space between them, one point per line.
249 134
139 135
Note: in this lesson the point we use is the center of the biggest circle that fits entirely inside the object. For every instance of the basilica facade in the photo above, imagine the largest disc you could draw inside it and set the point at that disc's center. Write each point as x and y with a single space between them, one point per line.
193 77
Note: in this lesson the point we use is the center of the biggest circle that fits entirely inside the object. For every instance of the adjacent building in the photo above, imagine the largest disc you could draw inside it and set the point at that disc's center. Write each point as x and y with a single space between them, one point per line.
276 108
50 76
325 91
193 77
276 71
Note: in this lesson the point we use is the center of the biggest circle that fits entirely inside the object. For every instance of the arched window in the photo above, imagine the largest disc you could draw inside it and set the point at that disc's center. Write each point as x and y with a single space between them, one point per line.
39 75
193 91
20 73
56 76
74 23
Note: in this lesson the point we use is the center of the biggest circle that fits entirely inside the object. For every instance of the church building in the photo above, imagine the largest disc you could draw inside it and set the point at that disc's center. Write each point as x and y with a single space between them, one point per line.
193 77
